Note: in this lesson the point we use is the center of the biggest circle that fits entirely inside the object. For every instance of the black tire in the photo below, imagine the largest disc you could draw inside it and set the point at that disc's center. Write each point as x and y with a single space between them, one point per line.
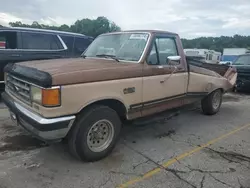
78 136
207 105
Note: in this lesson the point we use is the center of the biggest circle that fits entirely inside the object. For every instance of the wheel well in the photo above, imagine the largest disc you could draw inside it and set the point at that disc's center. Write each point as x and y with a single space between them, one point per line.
116 105
222 90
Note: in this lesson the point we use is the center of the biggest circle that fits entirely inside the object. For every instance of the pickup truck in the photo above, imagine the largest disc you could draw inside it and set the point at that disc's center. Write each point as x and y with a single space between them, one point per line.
121 76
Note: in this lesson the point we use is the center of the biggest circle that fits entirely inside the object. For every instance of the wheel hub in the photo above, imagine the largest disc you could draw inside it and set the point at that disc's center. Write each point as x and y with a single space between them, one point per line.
216 100
100 135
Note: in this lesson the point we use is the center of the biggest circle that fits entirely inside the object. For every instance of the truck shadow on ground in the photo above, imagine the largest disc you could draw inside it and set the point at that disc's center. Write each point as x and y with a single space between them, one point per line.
159 127
21 142
14 138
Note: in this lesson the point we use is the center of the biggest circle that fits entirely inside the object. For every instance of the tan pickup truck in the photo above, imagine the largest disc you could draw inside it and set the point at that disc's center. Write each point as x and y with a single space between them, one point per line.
121 76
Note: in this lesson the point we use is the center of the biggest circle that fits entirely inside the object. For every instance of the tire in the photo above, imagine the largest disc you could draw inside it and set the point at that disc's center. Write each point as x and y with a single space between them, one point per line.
94 126
211 104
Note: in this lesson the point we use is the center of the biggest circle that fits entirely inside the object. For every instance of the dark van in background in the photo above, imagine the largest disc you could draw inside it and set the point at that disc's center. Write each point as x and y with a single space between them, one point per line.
25 44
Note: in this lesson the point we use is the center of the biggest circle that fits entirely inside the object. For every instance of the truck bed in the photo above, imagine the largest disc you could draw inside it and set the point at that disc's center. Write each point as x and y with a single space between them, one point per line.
218 68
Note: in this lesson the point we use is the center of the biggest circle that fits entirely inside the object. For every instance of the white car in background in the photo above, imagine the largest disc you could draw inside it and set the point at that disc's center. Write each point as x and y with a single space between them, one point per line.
226 62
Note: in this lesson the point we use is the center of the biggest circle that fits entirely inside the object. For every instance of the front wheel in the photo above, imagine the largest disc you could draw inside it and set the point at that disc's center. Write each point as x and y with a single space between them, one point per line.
211 104
95 133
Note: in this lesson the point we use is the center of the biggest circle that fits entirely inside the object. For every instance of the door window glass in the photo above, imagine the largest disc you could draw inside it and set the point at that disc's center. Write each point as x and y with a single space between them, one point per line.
163 48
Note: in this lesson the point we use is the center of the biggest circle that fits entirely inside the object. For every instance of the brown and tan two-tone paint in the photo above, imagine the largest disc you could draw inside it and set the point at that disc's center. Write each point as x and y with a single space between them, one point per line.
153 88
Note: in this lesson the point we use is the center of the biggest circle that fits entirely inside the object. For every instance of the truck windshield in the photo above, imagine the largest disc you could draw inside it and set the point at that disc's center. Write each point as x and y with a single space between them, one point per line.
242 60
122 46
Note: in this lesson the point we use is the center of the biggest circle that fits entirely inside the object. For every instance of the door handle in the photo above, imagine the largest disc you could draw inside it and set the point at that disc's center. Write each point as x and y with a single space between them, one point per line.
15 55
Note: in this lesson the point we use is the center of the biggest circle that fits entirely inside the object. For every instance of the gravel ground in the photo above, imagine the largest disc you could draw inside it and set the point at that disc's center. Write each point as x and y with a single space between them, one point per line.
174 149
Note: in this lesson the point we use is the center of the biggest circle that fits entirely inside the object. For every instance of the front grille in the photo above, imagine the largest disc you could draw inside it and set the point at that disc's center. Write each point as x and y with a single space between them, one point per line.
20 89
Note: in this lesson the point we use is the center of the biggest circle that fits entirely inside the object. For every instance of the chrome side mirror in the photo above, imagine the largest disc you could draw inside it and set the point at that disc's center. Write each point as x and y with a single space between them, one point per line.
173 60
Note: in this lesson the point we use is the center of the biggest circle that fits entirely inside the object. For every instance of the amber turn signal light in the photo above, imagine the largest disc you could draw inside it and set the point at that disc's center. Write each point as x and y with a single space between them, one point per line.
51 97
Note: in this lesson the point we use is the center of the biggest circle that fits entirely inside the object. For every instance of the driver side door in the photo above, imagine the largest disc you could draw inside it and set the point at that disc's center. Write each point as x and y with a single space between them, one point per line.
165 77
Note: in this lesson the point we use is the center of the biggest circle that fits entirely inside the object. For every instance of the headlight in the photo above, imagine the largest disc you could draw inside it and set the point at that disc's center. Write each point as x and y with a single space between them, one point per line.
46 97
36 94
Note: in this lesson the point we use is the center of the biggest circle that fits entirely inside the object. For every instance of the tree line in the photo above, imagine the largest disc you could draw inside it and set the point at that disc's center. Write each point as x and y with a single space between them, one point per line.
218 43
95 27
89 27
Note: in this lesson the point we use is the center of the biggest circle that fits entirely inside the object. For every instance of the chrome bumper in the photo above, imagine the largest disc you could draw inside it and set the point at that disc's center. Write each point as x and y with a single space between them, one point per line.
47 129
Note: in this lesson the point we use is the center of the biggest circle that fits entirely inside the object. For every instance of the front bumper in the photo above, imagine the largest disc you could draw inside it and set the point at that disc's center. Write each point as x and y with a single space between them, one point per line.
45 129
242 84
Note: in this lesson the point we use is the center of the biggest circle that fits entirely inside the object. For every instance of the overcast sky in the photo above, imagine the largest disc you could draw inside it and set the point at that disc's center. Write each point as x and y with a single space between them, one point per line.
189 18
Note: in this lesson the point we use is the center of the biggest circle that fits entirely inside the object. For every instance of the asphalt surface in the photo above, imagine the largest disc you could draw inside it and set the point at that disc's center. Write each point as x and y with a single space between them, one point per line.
174 149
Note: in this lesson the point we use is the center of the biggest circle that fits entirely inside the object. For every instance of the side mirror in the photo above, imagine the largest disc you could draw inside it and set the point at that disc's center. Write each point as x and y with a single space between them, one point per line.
173 60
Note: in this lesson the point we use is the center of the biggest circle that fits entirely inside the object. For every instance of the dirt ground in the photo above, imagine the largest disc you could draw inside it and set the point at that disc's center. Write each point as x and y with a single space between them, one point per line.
173 149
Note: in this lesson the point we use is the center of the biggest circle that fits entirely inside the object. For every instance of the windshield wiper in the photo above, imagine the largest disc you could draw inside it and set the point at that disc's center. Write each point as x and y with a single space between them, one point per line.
107 55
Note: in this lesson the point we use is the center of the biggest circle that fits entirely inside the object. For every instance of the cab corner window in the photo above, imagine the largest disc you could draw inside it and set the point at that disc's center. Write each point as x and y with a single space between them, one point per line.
161 50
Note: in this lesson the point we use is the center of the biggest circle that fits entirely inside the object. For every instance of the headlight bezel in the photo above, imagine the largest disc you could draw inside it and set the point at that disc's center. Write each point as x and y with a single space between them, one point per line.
47 97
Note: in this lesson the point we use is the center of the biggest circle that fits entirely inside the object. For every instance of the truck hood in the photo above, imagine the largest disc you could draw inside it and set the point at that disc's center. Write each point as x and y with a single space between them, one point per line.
74 71
243 69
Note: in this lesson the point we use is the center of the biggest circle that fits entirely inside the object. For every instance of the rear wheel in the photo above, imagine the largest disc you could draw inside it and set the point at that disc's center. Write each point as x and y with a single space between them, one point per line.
95 133
211 104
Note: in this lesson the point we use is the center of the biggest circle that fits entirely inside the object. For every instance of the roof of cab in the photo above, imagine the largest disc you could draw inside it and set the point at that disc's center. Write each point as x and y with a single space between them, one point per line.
44 31
145 31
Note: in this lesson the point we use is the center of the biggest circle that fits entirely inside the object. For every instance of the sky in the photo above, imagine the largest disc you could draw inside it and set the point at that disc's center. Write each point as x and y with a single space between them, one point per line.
188 18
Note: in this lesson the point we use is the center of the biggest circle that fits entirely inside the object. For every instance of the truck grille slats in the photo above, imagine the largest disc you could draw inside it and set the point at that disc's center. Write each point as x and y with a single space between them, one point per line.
18 88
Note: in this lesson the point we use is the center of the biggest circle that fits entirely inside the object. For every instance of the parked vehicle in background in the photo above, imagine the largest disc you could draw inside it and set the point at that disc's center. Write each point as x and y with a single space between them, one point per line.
24 44
225 62
121 76
210 56
242 64
231 54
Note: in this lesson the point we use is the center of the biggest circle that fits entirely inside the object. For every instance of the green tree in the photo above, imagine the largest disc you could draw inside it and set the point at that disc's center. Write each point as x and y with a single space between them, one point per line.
90 27
95 27
218 43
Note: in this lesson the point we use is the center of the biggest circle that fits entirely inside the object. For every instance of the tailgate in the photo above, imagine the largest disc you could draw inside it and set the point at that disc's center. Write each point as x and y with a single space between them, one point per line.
231 75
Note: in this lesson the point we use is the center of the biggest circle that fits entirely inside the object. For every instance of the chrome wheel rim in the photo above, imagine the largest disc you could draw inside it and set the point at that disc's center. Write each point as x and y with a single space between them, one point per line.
216 100
100 135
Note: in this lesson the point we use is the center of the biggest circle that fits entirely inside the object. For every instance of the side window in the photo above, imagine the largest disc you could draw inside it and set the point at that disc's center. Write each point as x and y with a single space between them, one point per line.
56 43
39 41
69 41
207 57
210 57
8 40
2 41
163 48
80 45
